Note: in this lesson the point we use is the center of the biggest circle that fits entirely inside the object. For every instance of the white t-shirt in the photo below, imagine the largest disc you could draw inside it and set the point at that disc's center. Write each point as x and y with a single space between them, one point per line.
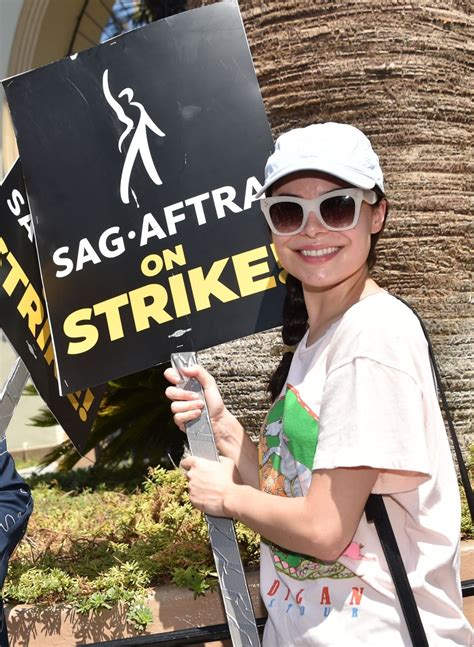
363 395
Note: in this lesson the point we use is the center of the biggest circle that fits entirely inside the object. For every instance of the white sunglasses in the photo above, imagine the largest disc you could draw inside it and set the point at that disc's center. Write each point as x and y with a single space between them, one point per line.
337 210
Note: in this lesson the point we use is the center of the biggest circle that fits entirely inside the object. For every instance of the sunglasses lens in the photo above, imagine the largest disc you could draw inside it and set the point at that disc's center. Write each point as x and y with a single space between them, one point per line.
286 216
338 212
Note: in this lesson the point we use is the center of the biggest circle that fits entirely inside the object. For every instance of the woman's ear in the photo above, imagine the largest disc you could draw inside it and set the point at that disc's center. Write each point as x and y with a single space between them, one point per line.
378 216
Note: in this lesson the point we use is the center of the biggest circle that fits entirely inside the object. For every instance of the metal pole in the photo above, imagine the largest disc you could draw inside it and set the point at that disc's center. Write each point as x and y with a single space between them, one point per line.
11 394
235 594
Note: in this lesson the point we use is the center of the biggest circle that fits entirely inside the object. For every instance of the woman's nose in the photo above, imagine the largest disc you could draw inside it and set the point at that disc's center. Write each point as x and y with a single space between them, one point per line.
313 226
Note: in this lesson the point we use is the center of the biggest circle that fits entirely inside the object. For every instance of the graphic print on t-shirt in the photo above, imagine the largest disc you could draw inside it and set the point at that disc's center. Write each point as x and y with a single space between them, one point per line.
288 446
287 450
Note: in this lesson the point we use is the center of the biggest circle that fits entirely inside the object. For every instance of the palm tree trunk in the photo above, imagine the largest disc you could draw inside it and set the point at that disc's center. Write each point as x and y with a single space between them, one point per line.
400 71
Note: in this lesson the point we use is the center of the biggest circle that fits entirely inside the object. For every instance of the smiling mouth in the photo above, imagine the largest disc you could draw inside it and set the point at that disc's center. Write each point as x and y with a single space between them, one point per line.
319 252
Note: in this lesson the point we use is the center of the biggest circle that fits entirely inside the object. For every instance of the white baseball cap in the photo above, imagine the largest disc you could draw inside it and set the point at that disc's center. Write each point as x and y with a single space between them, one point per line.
337 149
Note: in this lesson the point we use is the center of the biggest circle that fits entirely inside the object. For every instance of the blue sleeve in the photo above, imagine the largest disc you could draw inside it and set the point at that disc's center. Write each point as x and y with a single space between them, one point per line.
16 506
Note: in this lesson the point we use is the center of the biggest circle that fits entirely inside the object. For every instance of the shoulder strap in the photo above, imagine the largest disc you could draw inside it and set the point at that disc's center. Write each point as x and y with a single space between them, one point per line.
376 512
457 449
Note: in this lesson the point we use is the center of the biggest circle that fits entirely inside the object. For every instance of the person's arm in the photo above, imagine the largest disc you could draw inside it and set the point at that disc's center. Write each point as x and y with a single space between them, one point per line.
16 506
321 524
231 439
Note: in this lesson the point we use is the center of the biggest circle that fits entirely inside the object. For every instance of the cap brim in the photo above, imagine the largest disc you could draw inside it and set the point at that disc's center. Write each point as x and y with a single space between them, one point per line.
353 177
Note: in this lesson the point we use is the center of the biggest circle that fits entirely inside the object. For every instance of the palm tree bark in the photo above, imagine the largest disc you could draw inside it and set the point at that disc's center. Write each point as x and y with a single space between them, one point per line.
401 72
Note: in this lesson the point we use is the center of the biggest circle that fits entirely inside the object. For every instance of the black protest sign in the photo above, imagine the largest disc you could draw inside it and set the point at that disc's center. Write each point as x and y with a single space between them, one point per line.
23 316
141 163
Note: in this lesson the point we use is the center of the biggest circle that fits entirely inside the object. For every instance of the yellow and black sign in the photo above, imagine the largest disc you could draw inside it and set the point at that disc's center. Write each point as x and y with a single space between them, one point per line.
23 315
142 165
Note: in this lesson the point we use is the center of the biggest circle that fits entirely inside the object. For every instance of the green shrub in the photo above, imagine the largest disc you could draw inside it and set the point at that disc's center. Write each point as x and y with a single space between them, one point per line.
94 547
467 525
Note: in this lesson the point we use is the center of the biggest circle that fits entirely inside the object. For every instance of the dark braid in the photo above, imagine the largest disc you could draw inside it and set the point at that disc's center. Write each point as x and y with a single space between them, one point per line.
295 324
372 257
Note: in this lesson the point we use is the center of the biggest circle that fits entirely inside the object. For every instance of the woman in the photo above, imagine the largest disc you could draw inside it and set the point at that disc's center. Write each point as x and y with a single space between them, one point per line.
355 413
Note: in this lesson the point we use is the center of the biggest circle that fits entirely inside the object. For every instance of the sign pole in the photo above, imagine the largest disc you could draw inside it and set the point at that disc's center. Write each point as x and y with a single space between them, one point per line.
235 594
11 394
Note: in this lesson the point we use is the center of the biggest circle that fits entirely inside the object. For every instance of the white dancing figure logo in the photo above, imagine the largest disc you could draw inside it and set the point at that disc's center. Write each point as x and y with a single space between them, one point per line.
139 140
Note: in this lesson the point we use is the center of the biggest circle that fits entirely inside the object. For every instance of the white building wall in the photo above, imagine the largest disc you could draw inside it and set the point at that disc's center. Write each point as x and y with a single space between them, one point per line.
22 436
9 12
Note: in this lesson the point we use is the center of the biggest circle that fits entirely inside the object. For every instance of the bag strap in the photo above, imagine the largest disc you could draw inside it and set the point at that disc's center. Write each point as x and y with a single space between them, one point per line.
457 449
376 512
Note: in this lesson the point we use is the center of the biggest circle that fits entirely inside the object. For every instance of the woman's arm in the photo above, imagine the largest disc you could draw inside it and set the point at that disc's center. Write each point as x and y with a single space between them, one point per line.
321 524
231 439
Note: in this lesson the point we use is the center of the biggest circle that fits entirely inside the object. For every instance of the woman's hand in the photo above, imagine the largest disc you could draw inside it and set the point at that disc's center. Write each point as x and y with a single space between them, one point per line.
187 406
231 439
210 482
